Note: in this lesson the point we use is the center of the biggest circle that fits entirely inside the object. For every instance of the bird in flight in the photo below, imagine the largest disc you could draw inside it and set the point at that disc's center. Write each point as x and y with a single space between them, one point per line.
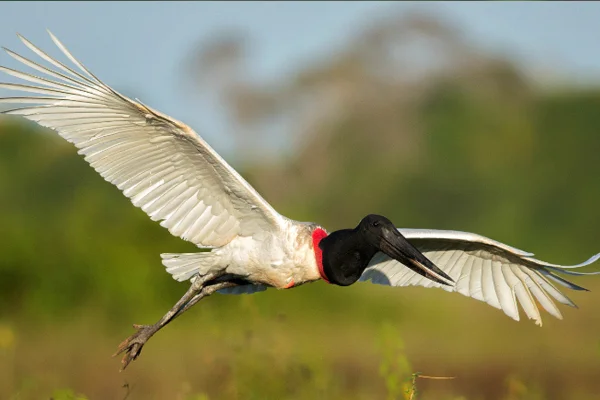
171 173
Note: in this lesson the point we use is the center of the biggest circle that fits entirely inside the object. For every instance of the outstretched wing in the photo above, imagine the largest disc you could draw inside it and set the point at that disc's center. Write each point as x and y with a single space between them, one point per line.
161 164
483 269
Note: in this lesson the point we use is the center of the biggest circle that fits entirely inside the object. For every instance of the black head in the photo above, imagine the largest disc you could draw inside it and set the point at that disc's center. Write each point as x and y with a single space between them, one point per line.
346 253
374 227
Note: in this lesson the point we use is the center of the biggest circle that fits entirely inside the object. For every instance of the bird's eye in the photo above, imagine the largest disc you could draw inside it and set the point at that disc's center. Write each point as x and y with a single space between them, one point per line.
376 224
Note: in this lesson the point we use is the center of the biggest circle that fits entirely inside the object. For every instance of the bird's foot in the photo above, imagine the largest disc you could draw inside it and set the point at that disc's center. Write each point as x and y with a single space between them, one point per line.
132 346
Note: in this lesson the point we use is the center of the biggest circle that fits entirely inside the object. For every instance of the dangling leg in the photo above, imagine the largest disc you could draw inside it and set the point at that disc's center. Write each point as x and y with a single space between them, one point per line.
132 346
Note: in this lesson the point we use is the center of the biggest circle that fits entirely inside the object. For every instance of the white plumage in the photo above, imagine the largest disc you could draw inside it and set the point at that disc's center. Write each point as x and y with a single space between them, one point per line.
482 268
161 164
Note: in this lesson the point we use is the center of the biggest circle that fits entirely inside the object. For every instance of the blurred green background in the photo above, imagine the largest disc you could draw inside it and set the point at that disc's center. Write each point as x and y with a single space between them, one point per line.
405 118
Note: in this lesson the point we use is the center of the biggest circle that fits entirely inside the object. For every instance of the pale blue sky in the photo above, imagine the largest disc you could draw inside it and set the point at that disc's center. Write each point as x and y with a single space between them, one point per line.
140 46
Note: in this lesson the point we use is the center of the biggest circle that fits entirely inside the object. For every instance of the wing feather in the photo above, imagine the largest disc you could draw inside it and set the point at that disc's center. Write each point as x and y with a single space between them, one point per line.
161 164
484 269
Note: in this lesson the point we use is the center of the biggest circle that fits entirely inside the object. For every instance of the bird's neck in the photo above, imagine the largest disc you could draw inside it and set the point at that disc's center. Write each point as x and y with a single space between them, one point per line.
343 257
318 235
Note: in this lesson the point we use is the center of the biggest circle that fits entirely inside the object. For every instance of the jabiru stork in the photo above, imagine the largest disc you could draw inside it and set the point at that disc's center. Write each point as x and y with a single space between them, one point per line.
171 173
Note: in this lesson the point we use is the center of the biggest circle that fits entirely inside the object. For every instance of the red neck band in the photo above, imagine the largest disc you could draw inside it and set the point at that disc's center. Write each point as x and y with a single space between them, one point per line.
317 235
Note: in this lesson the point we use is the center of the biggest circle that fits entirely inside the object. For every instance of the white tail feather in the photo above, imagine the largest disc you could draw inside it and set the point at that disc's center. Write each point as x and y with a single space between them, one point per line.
183 266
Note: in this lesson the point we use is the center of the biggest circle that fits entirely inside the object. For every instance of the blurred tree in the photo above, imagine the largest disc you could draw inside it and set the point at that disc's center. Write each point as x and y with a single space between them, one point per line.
411 120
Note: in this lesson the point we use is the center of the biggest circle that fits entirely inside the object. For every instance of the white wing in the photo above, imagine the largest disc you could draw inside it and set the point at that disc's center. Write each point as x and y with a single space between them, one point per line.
161 164
483 269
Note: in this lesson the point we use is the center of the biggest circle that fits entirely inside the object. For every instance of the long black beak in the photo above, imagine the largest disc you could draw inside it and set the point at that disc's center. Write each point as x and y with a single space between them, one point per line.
397 247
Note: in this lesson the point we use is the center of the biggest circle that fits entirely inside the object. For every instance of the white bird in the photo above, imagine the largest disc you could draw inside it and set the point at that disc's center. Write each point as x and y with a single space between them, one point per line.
171 173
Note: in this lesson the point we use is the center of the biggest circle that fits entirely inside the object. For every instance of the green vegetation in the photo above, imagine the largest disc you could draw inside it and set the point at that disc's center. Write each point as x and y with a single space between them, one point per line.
473 147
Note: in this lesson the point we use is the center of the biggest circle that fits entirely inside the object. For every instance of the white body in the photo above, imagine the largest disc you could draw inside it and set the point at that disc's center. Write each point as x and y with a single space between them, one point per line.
282 259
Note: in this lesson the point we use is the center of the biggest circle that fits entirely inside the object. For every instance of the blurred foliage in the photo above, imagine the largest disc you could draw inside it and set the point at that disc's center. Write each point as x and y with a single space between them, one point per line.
66 394
394 364
408 120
